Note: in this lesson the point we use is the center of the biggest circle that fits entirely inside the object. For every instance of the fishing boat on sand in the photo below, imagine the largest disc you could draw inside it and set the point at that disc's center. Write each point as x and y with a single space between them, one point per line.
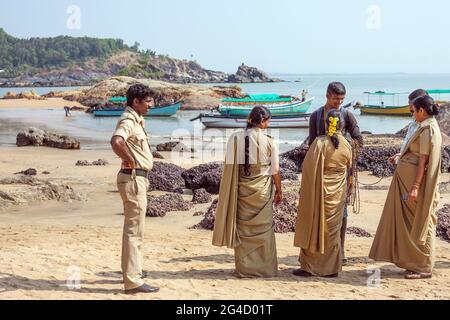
278 105
212 120
117 106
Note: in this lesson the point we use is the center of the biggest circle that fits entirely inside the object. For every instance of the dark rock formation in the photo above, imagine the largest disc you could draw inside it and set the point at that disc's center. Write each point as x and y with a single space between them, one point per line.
174 146
443 223
166 177
159 206
209 218
296 157
444 187
359 232
201 196
285 214
28 172
247 74
157 155
37 137
206 176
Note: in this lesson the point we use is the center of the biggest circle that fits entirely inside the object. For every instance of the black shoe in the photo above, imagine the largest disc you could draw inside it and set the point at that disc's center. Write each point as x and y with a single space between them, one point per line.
145 288
301 273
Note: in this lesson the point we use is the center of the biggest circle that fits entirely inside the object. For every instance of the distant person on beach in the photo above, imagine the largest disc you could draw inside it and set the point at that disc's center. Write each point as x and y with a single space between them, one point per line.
250 184
335 97
413 126
130 143
322 201
67 111
407 229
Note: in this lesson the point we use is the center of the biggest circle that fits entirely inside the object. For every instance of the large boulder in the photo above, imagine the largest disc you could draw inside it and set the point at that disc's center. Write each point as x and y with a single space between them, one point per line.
293 159
206 176
249 74
37 137
166 177
443 223
159 206
201 196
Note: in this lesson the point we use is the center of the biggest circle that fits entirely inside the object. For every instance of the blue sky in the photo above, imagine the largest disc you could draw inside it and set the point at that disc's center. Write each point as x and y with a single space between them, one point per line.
287 36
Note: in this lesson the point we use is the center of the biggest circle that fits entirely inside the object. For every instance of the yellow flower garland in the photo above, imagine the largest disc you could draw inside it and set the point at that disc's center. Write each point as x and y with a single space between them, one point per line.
332 128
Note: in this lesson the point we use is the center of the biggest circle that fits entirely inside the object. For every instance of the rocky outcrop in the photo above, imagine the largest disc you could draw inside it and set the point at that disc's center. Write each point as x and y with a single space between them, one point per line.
359 232
209 218
246 74
30 95
443 223
174 146
193 97
99 162
201 196
166 177
159 206
206 176
37 137
28 172
28 189
293 159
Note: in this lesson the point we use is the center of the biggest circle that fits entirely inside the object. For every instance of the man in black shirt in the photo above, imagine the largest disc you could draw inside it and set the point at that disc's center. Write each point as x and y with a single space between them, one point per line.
335 97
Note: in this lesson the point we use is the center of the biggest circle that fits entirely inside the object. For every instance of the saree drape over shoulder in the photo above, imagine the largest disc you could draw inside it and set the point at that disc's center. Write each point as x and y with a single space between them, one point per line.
406 232
244 217
321 207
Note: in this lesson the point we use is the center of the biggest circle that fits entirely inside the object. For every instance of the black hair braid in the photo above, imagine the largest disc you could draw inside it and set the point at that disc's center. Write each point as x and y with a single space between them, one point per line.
256 117
336 114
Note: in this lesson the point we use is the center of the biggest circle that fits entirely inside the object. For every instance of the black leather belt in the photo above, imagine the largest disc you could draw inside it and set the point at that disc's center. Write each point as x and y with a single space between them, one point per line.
139 172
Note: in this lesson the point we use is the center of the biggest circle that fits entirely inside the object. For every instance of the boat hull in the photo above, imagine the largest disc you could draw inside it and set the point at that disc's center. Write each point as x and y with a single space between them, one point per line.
164 111
275 109
398 111
220 121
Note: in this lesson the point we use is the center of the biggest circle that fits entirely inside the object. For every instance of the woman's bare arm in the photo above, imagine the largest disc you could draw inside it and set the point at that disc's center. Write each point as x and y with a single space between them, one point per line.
423 161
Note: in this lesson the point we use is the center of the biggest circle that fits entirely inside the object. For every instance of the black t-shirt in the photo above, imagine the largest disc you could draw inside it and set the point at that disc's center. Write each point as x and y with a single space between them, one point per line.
317 125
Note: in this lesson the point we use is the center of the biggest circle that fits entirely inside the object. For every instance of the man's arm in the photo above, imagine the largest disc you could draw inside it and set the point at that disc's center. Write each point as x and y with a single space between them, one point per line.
312 128
120 148
353 129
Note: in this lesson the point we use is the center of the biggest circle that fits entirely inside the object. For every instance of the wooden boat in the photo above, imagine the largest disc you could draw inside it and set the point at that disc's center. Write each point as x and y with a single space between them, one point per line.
162 111
212 120
385 109
285 109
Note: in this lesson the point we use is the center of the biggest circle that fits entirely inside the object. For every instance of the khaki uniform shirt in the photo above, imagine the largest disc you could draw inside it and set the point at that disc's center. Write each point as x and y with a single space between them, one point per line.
131 128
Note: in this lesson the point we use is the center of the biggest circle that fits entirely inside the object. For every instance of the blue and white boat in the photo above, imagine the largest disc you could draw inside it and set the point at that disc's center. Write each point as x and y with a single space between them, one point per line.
116 111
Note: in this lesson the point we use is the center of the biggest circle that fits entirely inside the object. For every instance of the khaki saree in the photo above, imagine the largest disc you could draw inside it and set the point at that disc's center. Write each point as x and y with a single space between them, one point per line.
406 232
321 207
244 216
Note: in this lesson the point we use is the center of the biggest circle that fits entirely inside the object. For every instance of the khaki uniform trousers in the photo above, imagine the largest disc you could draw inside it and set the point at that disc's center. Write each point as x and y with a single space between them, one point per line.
133 190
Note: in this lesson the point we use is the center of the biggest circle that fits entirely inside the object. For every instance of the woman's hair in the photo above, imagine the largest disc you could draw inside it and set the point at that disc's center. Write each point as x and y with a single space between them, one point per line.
416 94
255 118
334 124
427 103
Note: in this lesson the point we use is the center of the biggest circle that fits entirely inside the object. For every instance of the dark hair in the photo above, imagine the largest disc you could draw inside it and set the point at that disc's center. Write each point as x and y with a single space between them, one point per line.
427 103
138 91
336 88
335 114
256 116
416 94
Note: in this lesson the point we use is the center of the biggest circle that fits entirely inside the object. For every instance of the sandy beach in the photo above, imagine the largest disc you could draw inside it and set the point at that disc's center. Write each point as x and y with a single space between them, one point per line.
49 103
45 244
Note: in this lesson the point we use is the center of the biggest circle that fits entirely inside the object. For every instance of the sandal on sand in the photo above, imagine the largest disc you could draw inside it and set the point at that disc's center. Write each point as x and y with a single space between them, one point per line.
417 275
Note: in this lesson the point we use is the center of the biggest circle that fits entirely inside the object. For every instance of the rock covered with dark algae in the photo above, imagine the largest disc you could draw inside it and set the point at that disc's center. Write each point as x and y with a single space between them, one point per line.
159 206
166 177
201 196
205 176
443 223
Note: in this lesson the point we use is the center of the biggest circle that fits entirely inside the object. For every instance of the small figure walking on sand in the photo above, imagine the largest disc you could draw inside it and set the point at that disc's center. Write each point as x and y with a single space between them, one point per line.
67 110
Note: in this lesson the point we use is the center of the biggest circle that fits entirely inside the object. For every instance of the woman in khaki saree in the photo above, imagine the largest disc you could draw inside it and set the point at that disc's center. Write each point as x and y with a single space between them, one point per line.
322 201
406 232
250 182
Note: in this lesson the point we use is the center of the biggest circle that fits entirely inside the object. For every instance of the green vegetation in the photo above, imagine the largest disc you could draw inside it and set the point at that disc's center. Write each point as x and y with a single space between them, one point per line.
28 56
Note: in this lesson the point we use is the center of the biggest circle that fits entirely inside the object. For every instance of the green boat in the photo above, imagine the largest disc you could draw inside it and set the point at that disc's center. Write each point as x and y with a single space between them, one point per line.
278 105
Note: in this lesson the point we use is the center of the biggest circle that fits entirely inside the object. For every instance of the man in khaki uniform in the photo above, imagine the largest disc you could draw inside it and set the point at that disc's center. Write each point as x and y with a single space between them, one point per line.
130 143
